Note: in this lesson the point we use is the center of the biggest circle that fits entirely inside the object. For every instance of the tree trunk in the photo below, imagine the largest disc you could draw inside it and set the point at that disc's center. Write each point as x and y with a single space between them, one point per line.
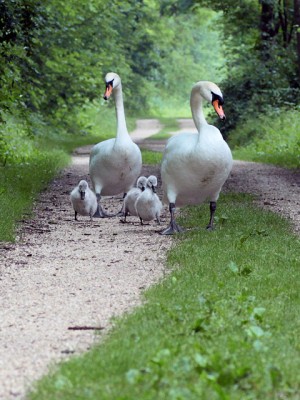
269 26
297 23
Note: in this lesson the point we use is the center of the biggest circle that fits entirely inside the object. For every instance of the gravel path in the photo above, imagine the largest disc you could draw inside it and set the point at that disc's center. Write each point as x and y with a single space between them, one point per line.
63 280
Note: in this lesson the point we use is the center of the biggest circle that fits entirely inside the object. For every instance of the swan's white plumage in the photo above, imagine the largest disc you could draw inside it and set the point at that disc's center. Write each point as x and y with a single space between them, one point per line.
132 195
115 163
148 205
83 200
195 166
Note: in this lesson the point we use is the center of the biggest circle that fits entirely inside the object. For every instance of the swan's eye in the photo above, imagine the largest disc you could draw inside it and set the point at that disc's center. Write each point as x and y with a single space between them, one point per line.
217 97
110 83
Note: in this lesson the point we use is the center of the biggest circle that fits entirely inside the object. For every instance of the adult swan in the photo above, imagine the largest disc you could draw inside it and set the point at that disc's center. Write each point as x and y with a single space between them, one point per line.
115 164
196 165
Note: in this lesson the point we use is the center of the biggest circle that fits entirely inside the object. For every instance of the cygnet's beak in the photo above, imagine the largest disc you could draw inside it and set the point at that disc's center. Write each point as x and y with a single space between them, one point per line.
82 195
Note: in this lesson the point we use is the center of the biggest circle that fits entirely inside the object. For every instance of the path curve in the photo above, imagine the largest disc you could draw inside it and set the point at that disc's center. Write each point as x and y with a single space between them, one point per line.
63 274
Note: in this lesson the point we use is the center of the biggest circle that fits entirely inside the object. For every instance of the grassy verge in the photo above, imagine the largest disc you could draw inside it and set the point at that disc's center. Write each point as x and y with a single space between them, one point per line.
32 156
223 325
151 157
273 139
169 125
20 185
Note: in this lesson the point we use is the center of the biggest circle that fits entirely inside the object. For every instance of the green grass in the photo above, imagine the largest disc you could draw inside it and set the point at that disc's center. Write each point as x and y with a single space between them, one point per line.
223 325
273 139
169 125
20 185
32 156
151 157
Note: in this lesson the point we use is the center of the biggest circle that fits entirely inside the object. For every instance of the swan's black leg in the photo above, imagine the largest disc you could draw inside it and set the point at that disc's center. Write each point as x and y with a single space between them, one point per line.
173 227
76 216
212 208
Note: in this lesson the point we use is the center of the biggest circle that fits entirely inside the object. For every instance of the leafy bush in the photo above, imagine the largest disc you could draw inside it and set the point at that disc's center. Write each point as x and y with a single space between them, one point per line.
21 183
272 138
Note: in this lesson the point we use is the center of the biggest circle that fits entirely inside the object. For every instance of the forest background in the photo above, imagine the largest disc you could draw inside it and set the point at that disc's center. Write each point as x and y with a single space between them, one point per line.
55 54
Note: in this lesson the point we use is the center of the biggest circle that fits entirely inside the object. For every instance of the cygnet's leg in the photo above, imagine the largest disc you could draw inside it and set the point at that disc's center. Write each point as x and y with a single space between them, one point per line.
158 219
125 215
173 227
212 208
76 216
100 213
121 213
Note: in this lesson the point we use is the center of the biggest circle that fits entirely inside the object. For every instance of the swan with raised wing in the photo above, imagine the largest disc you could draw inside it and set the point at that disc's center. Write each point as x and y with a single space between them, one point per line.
115 164
196 165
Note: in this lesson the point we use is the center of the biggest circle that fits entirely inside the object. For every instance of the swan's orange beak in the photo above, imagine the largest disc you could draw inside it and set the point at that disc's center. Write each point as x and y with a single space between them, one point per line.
108 91
219 109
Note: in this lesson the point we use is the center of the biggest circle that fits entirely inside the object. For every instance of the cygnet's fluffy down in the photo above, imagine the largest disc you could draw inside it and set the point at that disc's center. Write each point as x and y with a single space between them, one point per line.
131 197
148 206
84 200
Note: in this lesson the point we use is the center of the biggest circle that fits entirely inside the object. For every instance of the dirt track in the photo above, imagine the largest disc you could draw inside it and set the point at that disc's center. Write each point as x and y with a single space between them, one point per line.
63 274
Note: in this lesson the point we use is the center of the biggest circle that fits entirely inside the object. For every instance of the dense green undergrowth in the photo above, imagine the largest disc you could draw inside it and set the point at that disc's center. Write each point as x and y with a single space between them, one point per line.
223 325
20 185
271 139
33 152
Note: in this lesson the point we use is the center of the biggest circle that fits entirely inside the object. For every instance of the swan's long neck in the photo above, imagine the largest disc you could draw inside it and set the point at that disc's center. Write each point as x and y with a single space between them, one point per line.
196 107
121 121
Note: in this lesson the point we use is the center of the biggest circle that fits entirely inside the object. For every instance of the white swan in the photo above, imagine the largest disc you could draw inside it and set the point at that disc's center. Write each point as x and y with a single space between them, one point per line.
83 200
115 164
148 206
132 195
196 165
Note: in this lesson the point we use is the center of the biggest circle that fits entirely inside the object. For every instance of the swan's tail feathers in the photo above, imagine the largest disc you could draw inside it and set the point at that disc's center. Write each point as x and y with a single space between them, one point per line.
173 227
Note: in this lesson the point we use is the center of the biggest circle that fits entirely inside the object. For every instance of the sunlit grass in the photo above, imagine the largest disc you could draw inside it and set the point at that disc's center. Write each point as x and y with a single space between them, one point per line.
35 154
223 325
168 125
151 157
271 139
20 185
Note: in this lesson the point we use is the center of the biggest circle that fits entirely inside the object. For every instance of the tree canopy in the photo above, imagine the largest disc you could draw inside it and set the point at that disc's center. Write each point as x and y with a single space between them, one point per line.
54 54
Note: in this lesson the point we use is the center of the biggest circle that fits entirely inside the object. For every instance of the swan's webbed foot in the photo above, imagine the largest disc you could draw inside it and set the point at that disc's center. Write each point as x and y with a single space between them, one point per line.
173 227
100 213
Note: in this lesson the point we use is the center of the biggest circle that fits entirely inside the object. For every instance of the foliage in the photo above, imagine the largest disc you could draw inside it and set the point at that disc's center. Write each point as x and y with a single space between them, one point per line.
187 58
271 138
223 325
21 184
261 57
